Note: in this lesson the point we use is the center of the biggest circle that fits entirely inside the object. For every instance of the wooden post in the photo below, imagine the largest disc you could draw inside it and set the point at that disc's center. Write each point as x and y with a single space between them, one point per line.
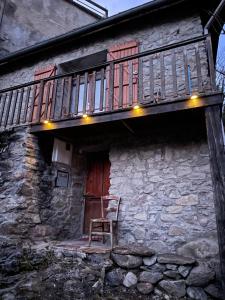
217 161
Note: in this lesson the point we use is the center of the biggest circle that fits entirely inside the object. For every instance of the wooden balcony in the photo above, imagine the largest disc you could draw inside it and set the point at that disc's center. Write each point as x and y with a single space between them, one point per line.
157 81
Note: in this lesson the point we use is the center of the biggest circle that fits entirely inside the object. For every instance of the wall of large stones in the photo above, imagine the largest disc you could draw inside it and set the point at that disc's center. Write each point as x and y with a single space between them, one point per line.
150 36
166 191
45 20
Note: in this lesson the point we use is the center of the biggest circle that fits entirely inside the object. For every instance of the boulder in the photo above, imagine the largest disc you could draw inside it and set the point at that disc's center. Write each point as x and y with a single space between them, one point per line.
172 274
175 259
214 291
176 288
184 270
150 276
134 250
171 267
149 261
200 275
127 261
115 277
145 288
201 248
130 280
196 293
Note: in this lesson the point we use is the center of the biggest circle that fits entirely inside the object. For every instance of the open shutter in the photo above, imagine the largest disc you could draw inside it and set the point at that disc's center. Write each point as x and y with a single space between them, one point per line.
42 73
121 51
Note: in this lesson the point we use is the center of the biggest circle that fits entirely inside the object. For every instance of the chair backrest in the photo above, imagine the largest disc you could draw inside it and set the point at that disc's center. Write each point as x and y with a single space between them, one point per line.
110 207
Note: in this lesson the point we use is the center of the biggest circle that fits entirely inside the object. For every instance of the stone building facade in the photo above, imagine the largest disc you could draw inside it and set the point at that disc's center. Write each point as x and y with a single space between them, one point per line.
160 168
46 19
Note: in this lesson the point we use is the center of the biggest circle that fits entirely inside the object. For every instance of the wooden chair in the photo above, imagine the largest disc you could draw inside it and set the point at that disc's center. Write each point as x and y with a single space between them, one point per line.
109 217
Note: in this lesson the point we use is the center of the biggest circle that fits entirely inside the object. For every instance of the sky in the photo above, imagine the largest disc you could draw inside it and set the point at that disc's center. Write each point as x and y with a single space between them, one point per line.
116 6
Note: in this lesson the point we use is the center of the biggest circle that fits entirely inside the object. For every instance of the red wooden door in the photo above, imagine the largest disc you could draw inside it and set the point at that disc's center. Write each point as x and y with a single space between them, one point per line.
42 73
97 185
121 51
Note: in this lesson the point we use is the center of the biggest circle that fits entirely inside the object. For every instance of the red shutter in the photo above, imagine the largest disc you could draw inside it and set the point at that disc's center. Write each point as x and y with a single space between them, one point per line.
41 73
120 51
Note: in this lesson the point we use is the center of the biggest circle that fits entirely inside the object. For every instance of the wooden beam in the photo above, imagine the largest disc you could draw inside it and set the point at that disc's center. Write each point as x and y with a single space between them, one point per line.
163 107
217 161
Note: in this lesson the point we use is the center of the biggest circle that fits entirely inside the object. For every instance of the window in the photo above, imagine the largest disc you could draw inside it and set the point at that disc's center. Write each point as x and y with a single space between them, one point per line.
62 152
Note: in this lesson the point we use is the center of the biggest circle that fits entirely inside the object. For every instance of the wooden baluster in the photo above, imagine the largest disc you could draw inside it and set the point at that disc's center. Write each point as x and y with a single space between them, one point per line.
19 106
198 67
211 62
120 85
111 86
69 96
77 94
85 93
130 80
187 82
3 102
102 89
61 102
26 104
54 95
151 79
162 75
174 73
13 108
140 81
8 109
48 87
93 89
32 104
40 100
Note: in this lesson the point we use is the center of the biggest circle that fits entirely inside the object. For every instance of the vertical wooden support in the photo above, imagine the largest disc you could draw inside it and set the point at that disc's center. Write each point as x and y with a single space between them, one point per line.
111 86
69 94
174 73
93 89
162 75
3 102
8 108
61 102
19 106
199 71
186 73
217 160
102 89
151 79
13 108
77 94
26 104
130 71
85 92
32 104
140 81
40 100
54 96
120 85
211 62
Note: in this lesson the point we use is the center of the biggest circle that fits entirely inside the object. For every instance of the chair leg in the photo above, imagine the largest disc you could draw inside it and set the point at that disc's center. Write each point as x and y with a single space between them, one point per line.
90 233
111 233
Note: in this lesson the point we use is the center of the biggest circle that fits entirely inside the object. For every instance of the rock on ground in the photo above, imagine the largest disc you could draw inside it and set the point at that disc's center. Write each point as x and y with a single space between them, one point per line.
130 280
127 261
196 293
200 275
175 288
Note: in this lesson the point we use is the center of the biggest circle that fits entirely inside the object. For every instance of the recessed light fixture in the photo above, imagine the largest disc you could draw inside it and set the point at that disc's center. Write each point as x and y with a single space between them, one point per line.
85 115
46 121
136 106
193 97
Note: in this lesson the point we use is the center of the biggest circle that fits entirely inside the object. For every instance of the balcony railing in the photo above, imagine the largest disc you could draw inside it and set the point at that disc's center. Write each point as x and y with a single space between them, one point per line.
151 77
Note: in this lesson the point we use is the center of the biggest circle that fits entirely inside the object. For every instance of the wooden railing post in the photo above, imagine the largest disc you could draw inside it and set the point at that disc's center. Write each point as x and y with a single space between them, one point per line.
212 72
111 85
40 100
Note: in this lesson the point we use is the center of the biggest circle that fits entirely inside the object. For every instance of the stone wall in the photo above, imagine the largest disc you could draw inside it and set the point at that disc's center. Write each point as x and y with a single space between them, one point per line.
45 20
32 208
150 35
166 191
55 272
